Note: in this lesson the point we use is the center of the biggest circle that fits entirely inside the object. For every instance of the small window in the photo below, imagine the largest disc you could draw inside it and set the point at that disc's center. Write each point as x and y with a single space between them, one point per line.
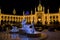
11 17
51 22
5 16
46 17
50 17
14 17
56 16
53 17
45 22
2 16
8 17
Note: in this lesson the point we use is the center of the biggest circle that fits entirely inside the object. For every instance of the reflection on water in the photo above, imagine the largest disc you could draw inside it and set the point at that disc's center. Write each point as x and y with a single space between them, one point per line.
14 36
22 37
8 36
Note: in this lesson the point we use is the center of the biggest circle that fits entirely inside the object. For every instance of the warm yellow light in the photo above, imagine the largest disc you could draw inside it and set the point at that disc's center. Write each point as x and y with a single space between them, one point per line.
39 19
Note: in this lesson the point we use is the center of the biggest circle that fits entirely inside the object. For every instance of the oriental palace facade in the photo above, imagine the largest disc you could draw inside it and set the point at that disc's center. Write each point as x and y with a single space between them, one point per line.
38 16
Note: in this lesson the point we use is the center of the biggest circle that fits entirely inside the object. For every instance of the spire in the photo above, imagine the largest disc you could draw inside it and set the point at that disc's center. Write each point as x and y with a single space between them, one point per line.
35 9
31 12
14 11
39 1
39 8
43 9
0 10
48 10
59 9
31 17
23 13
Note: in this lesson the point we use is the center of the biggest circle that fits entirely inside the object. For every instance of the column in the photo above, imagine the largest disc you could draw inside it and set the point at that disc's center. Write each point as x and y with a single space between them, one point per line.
48 10
23 15
0 16
31 17
35 10
59 9
43 9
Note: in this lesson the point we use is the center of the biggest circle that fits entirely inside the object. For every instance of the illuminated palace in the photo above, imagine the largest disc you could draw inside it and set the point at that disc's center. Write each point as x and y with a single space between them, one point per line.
44 18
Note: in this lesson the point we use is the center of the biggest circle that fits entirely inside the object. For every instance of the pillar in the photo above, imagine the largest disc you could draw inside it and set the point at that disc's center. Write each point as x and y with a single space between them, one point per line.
31 17
35 9
48 11
23 15
59 9
0 16
0 11
43 9
48 19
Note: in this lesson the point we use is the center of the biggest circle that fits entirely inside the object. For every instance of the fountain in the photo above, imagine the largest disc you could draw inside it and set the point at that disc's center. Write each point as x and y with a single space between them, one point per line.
14 29
29 31
26 30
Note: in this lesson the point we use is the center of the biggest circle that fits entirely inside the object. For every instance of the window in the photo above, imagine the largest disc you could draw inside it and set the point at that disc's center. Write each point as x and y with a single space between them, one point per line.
8 17
2 17
45 22
5 16
11 17
14 17
53 17
29 19
56 16
33 19
51 22
46 17
50 17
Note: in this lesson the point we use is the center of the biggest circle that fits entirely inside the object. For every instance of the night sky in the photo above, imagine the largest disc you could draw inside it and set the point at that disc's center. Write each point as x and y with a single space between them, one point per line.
7 6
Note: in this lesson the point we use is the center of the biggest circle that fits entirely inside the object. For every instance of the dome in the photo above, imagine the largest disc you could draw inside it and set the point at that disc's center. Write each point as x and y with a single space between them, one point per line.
39 8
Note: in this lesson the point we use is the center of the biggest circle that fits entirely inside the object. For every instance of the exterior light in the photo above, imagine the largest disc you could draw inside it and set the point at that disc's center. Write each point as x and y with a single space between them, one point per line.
39 19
